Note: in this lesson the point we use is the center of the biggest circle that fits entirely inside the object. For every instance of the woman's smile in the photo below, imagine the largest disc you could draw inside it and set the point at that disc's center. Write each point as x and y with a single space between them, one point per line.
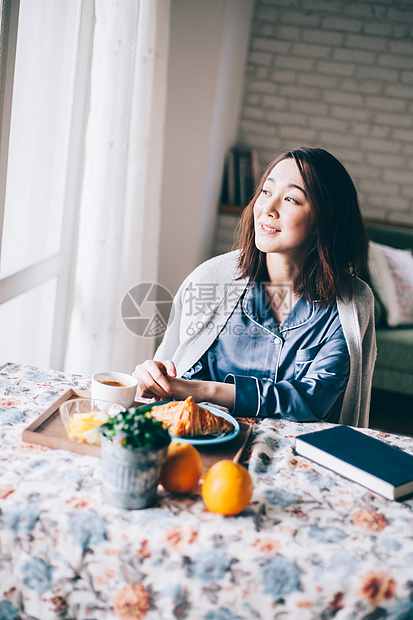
267 229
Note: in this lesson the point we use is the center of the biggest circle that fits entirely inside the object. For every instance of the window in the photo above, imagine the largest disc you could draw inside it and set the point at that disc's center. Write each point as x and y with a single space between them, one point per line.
44 76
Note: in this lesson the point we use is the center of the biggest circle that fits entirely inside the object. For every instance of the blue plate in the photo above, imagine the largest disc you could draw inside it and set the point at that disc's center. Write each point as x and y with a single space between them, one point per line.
207 441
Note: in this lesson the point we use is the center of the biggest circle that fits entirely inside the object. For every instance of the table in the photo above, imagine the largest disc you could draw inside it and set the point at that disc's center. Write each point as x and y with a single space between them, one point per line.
310 545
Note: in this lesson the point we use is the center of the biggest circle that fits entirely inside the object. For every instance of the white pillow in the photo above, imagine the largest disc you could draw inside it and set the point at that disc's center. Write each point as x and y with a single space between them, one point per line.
391 272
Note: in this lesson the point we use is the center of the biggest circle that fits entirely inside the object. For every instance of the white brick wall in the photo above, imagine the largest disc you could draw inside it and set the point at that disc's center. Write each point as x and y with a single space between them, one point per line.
224 235
336 74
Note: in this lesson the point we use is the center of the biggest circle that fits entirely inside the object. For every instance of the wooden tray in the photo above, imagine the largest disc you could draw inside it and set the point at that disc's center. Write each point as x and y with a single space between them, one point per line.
48 430
233 449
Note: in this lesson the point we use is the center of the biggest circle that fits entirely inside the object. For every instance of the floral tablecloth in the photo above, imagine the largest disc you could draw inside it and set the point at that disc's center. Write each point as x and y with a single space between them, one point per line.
311 544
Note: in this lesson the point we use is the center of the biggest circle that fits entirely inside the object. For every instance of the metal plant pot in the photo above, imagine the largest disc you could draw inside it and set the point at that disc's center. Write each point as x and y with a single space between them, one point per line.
130 477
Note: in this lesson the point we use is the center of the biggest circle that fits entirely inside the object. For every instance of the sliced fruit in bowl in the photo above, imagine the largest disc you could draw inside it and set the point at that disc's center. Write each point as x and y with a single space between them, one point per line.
82 417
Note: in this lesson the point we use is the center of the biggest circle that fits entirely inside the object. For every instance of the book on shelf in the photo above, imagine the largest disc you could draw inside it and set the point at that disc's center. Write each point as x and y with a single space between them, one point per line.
241 175
383 469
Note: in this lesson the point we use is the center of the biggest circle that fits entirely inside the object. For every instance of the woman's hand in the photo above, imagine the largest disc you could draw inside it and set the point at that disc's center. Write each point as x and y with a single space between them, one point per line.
153 379
158 380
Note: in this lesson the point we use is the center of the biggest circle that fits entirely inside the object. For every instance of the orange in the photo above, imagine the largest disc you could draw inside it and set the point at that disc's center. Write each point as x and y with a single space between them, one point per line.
182 469
227 488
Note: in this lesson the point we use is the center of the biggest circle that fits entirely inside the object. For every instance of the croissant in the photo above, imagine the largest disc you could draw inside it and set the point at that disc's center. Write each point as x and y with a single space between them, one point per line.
187 419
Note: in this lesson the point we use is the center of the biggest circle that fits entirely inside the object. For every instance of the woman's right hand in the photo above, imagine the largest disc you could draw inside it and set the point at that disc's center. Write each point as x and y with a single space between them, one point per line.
153 381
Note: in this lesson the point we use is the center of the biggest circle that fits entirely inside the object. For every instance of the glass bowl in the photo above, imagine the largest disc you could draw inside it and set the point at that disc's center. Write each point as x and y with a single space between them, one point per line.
82 417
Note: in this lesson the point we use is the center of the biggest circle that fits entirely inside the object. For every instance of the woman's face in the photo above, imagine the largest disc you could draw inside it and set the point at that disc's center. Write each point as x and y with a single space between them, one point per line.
283 216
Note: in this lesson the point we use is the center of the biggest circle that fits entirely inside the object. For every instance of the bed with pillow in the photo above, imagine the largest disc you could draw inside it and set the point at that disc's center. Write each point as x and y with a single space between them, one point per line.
391 278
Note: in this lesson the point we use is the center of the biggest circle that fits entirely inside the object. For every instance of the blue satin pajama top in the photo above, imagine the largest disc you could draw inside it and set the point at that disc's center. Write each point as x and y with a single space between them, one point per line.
294 370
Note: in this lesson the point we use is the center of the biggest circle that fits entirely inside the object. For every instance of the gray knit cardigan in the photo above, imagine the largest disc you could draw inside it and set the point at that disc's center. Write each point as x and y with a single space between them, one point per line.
206 299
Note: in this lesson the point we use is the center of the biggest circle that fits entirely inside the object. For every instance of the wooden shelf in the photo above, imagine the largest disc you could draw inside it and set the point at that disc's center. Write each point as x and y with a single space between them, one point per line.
231 209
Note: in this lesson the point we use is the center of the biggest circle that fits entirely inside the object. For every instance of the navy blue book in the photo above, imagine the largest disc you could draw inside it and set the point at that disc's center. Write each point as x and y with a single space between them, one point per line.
368 461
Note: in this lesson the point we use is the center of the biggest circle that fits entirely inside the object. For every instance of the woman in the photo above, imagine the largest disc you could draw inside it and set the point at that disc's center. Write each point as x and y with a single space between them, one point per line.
288 329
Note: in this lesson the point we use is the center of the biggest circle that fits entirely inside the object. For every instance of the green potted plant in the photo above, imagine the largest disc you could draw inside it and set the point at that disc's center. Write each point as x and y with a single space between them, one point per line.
133 450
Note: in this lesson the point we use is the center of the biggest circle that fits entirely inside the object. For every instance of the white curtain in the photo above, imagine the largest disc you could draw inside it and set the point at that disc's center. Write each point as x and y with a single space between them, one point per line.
120 207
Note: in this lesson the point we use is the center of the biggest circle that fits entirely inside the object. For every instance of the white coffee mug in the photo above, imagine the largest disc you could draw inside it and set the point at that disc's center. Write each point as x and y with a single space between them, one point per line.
115 387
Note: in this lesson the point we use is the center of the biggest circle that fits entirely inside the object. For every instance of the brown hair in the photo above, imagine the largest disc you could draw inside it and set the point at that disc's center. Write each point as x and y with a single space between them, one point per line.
339 251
